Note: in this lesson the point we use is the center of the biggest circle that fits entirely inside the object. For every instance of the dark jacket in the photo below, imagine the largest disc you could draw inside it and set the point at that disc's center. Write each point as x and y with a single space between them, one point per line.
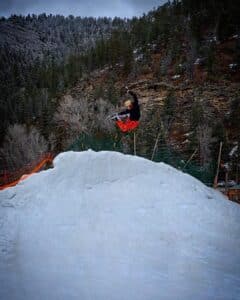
134 112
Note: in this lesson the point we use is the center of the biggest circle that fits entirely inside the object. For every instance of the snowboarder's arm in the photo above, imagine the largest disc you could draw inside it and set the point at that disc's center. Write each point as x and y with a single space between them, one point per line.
124 112
135 98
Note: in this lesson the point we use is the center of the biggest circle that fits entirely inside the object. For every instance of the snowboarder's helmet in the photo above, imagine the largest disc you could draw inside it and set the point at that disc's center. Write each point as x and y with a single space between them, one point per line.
128 103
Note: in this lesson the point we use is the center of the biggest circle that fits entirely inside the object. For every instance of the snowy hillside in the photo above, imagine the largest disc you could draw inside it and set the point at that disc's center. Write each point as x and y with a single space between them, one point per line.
109 226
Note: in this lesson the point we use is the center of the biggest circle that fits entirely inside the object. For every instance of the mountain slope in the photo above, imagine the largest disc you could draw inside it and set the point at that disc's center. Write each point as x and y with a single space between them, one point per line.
45 36
110 226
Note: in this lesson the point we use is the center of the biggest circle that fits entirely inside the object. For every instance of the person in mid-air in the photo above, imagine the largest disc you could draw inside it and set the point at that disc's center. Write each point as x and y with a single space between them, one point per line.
128 119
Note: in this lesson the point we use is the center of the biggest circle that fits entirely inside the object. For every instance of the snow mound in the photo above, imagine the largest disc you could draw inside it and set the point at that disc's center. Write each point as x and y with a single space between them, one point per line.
103 225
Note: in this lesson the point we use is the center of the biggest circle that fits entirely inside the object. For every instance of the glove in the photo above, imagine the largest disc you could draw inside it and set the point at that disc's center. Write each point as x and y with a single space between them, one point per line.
115 117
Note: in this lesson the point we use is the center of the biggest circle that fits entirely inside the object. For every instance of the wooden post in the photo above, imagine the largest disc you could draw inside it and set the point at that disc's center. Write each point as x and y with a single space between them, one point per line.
226 181
218 165
155 146
190 158
238 162
237 174
134 143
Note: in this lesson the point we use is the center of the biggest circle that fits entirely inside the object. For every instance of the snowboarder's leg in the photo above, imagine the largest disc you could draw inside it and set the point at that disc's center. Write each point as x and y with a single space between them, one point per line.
132 125
122 125
128 125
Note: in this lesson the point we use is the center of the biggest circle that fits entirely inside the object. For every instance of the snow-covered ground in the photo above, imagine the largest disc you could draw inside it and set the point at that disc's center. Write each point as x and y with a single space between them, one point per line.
110 226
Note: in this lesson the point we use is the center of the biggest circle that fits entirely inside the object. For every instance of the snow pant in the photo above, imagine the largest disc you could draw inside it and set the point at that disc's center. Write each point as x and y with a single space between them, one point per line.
127 125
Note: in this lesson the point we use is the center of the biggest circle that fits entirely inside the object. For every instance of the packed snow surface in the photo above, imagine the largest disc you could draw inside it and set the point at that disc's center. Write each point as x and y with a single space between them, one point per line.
103 225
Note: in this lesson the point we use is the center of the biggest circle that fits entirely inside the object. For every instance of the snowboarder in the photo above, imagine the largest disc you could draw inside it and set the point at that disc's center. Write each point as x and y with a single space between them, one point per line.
128 119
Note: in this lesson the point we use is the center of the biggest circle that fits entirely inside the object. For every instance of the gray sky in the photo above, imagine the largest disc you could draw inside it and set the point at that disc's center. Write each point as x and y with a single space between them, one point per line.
109 8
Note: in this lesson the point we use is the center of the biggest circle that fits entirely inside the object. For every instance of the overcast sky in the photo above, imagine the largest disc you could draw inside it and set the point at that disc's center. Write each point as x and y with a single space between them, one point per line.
110 8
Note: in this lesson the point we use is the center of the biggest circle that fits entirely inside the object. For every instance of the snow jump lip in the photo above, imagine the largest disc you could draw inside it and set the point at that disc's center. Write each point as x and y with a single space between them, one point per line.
122 226
23 174
34 168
